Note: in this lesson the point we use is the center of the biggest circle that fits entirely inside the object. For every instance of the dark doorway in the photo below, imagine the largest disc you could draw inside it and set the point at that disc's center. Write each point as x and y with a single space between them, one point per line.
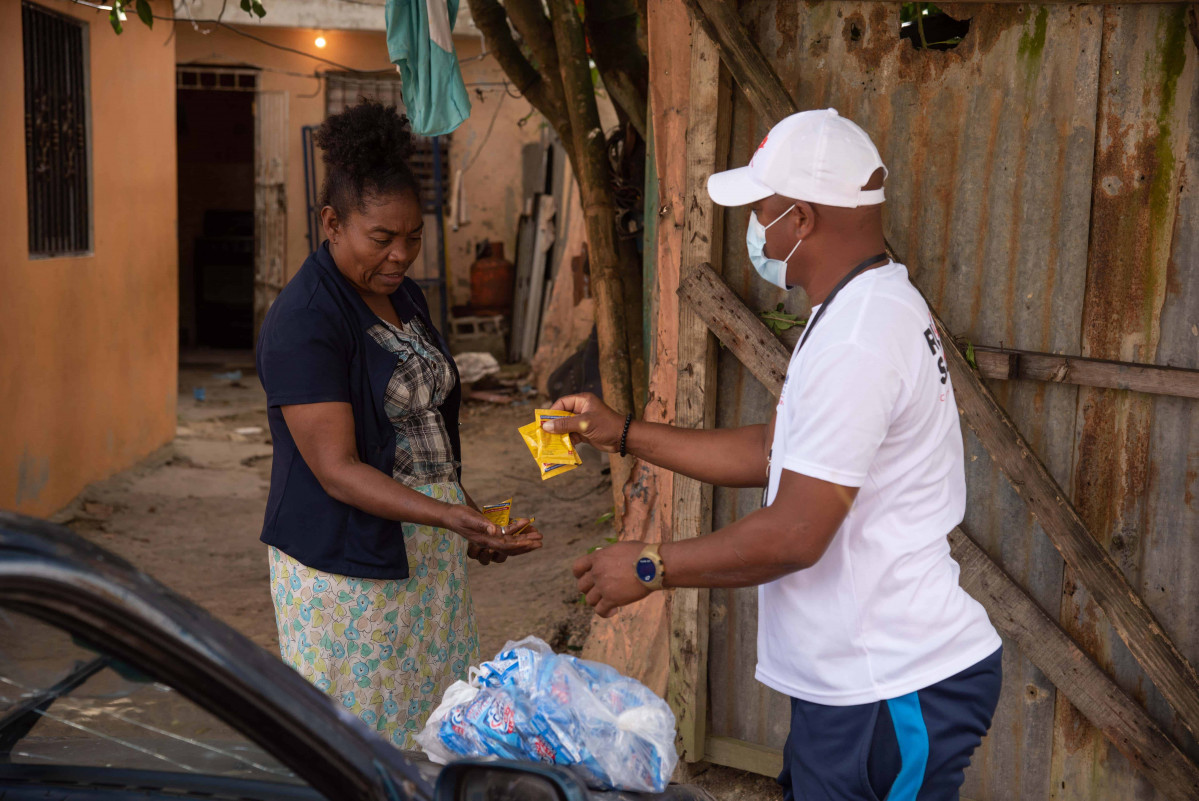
216 207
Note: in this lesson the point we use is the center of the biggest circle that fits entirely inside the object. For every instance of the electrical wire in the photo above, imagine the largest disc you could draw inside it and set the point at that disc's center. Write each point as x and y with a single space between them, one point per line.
486 136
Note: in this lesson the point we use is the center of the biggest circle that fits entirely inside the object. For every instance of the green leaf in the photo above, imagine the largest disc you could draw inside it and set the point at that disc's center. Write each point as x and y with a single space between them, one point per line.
605 517
609 540
114 16
257 8
970 358
145 13
245 6
779 321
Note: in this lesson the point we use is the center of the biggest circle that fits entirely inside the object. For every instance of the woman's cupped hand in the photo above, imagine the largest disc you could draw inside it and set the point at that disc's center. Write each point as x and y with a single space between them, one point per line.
489 542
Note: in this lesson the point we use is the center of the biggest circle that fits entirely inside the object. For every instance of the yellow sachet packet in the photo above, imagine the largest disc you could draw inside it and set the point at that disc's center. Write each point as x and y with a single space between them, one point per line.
529 434
498 513
554 448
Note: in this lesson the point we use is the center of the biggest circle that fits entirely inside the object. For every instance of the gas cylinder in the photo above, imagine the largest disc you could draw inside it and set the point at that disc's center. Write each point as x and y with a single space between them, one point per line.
492 280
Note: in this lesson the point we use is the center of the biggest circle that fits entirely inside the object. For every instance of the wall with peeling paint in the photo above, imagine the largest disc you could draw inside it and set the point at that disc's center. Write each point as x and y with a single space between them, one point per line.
1039 192
88 344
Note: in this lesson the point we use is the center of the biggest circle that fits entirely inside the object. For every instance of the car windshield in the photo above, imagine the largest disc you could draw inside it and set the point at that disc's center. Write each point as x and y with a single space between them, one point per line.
66 702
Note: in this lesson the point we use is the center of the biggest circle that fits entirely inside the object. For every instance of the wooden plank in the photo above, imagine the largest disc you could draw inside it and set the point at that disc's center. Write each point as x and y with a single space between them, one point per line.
736 326
1006 363
707 146
1016 615
739 754
739 54
1161 660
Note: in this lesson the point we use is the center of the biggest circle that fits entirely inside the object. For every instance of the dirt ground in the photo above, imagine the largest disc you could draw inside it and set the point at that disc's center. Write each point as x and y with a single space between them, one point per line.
190 515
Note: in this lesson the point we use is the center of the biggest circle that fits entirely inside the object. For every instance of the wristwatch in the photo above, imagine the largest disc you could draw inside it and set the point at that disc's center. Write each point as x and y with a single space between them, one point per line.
650 570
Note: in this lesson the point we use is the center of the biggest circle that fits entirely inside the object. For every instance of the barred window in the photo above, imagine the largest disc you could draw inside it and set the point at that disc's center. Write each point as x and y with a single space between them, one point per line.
56 138
345 90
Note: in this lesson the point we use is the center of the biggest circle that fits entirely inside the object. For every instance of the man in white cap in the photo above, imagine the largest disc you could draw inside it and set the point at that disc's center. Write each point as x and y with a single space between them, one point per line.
892 669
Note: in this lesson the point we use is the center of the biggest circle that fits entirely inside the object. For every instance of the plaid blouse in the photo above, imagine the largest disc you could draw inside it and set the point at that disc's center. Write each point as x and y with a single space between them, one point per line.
422 379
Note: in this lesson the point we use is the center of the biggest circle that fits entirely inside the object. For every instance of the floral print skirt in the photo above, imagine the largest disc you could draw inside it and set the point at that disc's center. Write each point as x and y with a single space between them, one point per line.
385 650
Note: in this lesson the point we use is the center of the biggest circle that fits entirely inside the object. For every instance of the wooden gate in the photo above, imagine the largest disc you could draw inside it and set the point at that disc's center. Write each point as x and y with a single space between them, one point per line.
1039 194
270 200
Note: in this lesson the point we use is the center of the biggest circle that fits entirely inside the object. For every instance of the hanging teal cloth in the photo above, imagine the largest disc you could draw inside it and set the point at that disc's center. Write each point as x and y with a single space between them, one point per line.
420 43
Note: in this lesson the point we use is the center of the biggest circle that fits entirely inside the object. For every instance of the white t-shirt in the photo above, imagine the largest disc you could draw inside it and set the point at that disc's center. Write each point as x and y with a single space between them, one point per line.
868 403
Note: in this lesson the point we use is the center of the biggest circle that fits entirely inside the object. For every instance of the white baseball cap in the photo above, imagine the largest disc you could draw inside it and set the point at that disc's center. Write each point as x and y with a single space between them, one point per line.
817 156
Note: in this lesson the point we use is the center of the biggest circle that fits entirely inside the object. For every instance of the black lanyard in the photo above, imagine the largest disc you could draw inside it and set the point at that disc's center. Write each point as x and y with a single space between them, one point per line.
870 262
849 276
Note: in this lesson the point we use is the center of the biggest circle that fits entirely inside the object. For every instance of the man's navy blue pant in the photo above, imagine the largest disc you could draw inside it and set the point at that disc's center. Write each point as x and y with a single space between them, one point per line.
912 748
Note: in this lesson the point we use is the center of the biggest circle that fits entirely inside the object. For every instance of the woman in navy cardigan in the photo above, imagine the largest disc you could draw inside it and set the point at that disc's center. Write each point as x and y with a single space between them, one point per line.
367 522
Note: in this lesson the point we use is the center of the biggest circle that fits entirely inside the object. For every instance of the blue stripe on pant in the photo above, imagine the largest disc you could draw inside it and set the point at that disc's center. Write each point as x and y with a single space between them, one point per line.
912 748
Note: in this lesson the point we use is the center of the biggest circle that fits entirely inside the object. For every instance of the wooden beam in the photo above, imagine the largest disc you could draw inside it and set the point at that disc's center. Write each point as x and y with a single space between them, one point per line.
1011 609
1005 363
1163 663
709 113
742 755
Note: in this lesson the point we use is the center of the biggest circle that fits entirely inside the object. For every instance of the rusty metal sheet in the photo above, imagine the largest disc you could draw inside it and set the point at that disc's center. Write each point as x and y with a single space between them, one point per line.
1133 449
991 148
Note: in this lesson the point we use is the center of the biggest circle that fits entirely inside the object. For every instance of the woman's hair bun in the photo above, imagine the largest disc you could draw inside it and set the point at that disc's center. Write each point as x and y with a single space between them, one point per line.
365 148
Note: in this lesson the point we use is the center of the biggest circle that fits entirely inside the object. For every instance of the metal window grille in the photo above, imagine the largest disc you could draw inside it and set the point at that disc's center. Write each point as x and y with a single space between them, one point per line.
56 136
219 79
345 90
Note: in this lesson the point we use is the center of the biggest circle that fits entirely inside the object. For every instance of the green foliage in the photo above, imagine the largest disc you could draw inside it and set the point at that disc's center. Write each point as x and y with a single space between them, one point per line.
970 357
779 321
253 7
909 11
917 13
605 517
609 540
145 12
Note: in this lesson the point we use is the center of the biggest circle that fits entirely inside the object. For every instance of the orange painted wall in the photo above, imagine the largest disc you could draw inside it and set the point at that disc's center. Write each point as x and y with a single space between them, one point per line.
493 180
88 353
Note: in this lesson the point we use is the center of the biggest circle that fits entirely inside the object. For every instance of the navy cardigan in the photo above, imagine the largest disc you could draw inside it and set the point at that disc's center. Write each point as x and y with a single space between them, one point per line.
314 348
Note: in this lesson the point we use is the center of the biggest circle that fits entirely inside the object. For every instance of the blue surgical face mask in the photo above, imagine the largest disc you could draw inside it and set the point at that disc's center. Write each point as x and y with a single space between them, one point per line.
773 270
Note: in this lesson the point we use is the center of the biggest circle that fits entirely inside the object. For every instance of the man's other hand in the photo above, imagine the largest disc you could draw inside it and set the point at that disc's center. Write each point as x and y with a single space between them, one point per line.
608 577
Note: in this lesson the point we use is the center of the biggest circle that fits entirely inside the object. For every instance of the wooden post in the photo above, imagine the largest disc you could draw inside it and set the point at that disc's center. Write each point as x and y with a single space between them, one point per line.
707 146
1132 620
1011 609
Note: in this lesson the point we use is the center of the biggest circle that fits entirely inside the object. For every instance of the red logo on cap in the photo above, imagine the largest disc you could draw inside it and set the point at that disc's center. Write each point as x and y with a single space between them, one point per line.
755 155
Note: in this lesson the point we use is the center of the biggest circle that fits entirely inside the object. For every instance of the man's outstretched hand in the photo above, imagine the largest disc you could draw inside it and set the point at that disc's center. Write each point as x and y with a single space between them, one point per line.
593 423
608 576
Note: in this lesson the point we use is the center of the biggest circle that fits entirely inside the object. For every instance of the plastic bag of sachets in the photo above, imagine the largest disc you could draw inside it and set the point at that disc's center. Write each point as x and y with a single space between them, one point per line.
530 703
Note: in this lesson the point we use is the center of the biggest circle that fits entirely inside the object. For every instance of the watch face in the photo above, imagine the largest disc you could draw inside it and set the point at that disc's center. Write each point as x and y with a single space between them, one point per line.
646 569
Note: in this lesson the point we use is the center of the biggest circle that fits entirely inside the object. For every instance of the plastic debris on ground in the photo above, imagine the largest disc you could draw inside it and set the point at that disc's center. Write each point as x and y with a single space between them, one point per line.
529 703
474 365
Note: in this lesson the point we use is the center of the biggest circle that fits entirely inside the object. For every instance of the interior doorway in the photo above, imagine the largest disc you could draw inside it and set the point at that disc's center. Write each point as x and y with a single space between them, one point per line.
215 115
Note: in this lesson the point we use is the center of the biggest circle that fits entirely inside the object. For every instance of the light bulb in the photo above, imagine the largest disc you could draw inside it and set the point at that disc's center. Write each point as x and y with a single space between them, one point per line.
320 41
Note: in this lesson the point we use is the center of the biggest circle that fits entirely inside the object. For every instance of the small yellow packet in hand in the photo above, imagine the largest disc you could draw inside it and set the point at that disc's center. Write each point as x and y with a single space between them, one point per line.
555 448
529 433
498 513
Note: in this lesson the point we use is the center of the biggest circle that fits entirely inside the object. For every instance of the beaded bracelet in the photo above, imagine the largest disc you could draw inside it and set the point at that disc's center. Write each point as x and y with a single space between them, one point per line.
625 434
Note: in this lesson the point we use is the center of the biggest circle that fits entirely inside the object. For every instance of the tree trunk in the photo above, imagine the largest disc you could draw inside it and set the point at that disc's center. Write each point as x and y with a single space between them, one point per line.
561 89
594 174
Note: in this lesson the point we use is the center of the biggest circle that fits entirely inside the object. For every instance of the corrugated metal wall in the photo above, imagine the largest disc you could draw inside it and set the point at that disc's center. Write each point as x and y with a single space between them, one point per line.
1038 190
